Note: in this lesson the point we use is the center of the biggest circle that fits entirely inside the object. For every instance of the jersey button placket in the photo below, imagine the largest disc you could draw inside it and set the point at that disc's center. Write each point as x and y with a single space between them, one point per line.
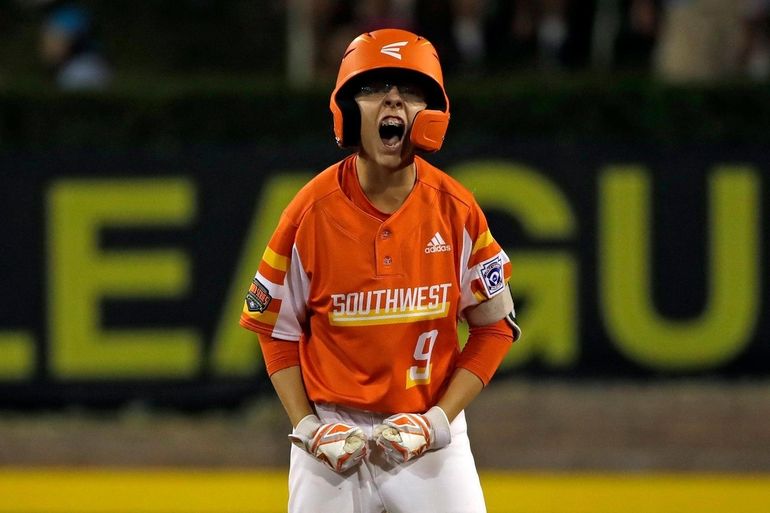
385 250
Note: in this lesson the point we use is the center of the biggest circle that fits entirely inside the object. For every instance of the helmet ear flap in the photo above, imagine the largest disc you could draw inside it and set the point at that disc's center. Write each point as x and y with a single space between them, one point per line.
428 129
347 122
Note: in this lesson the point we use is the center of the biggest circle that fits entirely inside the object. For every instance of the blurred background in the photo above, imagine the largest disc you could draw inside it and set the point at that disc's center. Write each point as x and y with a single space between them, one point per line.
618 146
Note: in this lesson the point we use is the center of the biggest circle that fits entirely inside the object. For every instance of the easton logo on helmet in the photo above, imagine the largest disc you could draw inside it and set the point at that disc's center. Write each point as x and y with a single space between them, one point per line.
393 49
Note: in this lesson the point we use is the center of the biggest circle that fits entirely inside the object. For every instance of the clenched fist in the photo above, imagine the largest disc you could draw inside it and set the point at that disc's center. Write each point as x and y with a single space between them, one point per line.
404 436
338 445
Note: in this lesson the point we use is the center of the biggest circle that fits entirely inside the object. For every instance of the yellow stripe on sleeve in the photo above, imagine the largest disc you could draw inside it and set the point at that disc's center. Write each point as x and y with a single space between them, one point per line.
275 260
484 240
266 317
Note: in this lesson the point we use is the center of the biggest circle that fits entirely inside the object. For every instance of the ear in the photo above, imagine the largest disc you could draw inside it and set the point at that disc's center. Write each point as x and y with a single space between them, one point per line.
428 129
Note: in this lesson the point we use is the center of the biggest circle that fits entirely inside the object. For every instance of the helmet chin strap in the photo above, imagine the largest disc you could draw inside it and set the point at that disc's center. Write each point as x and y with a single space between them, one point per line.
428 129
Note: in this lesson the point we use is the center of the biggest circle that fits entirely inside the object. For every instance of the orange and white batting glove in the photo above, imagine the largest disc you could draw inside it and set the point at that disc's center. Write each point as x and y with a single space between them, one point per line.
340 446
407 435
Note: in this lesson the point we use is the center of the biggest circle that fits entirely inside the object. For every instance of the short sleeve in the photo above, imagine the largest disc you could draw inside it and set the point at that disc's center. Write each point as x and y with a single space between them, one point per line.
276 300
484 268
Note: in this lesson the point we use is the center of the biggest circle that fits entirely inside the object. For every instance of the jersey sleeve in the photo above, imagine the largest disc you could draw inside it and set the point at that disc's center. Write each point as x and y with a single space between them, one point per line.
486 348
278 354
484 268
275 303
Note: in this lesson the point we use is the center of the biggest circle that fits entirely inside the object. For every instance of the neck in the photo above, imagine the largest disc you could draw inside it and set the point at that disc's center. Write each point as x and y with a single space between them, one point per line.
386 188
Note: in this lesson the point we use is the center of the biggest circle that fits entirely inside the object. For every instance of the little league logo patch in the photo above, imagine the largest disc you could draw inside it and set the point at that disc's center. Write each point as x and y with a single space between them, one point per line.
258 298
492 275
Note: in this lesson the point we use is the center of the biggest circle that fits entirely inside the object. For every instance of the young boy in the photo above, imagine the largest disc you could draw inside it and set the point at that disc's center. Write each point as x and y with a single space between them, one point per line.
359 293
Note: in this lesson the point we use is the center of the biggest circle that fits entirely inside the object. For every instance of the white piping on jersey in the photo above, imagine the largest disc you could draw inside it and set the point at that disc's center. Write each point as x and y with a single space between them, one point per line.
466 275
294 305
276 291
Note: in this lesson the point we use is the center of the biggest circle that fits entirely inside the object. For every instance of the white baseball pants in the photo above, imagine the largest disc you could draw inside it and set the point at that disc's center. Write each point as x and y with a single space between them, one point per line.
442 481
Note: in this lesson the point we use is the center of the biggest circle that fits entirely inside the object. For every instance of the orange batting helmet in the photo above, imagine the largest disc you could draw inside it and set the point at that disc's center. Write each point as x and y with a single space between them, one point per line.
400 52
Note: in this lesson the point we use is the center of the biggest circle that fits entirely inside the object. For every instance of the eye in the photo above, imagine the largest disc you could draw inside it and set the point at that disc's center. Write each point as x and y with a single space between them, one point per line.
374 88
411 93
415 96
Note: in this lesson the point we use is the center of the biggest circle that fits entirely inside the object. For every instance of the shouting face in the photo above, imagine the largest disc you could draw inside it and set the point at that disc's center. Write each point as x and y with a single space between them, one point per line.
387 112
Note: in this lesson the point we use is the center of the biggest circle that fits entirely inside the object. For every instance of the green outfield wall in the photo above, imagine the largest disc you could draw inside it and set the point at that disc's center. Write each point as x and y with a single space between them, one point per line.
133 226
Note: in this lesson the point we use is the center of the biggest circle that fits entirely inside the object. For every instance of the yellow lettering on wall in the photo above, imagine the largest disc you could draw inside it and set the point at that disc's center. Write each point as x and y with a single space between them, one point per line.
726 325
82 274
235 349
18 355
547 280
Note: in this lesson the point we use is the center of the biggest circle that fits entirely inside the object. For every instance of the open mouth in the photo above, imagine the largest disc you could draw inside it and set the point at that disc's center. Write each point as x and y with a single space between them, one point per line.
392 131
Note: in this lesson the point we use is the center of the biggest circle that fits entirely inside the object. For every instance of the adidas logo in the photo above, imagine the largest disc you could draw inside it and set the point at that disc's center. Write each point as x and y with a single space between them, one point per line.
437 245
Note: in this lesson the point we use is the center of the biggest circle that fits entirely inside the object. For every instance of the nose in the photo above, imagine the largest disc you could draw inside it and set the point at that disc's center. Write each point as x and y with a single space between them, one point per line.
393 97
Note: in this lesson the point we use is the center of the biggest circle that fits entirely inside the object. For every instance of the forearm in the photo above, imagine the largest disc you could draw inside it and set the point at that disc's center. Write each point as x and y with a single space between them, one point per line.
463 387
480 358
340 453
291 391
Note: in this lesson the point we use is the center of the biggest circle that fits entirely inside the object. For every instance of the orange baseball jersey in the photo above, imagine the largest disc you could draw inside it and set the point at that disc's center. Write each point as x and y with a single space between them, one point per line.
374 303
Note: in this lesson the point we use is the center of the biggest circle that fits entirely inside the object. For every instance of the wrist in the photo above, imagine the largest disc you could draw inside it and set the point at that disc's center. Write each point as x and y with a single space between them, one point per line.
442 432
304 430
308 425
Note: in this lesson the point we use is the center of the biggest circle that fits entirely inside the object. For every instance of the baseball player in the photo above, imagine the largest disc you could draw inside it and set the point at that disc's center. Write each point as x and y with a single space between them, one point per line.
358 296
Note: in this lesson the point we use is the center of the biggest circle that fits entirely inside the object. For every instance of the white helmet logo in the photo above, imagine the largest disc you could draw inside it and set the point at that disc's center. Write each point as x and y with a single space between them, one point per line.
394 49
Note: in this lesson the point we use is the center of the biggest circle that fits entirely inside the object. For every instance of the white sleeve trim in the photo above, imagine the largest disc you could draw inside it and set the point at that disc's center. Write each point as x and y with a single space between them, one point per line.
466 275
293 310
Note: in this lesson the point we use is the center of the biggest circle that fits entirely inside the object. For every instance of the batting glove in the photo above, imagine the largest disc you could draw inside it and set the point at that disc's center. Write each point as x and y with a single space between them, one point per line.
340 446
407 435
